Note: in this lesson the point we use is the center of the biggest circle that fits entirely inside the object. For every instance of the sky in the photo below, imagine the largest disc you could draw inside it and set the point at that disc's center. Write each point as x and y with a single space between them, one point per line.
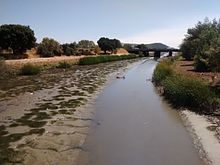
130 21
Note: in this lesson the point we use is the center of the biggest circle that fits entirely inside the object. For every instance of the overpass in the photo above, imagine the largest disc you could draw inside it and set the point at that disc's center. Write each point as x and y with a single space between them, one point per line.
157 52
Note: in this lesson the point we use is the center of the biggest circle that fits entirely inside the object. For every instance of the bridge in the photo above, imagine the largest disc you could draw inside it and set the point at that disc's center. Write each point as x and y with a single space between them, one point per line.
157 52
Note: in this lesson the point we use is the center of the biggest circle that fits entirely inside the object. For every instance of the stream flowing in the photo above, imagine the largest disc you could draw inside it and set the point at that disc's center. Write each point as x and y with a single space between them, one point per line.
133 125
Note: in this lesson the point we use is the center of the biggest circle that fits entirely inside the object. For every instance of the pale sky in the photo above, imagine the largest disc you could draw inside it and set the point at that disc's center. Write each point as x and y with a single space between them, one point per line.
136 21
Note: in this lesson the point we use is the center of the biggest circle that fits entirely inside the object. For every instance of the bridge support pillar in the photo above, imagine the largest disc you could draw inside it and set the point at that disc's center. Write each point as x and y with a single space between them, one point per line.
157 54
146 53
170 53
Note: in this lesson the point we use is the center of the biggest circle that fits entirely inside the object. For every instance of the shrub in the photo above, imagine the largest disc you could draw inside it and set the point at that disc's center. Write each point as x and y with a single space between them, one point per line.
64 65
200 64
29 69
187 50
214 60
162 71
49 48
86 44
101 59
184 91
3 67
97 50
69 49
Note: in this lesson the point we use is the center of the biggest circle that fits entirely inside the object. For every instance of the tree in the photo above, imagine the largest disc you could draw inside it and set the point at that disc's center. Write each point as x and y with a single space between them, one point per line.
107 44
141 46
69 49
202 43
187 50
86 44
49 47
97 49
116 43
17 37
127 46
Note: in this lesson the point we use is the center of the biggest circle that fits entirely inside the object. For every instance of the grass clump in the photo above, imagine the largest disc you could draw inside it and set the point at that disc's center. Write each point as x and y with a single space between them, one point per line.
162 71
102 59
29 69
3 67
184 91
64 65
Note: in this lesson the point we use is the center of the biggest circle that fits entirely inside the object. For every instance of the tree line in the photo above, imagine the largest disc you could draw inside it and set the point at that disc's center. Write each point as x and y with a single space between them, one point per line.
20 38
202 44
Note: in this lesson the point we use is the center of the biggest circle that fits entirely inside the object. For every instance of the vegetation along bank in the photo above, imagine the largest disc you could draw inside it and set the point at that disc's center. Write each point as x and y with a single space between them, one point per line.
191 83
189 88
185 91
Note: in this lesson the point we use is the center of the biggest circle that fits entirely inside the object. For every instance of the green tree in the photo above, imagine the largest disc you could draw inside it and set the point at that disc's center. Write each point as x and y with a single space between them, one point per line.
69 49
142 46
86 44
127 46
202 43
49 47
187 50
107 44
17 37
116 43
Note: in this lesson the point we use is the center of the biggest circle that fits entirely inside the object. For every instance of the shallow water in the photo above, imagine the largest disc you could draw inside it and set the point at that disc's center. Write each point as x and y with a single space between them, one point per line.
134 126
45 112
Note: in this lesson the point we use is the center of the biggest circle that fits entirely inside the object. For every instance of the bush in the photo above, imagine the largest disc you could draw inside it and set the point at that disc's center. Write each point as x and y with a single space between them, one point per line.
186 49
3 67
202 42
162 71
29 69
184 91
200 64
18 37
49 48
69 49
214 60
64 65
101 59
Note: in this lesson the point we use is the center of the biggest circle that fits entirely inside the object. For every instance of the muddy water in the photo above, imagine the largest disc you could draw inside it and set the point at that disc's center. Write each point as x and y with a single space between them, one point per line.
134 126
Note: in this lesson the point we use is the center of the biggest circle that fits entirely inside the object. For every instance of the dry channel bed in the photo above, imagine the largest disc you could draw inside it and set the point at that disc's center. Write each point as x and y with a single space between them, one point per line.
44 119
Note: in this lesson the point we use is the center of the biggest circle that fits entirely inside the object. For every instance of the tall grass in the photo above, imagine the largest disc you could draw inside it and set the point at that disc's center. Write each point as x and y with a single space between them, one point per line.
184 91
64 65
162 71
29 69
102 59
3 68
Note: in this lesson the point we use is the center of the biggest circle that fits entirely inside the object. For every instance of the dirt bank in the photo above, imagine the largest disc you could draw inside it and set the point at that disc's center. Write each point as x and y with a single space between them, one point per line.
205 131
187 68
41 61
